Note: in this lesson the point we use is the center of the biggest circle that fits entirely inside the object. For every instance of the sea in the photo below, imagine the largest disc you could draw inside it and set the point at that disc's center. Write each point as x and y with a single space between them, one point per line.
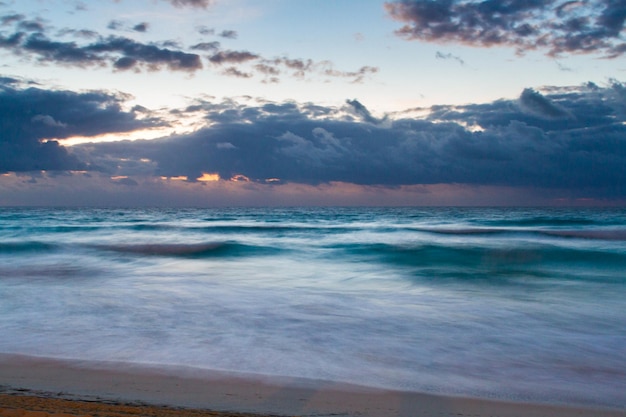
520 304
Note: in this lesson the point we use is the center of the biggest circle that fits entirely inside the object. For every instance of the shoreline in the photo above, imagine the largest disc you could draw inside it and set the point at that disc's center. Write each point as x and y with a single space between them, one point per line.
49 380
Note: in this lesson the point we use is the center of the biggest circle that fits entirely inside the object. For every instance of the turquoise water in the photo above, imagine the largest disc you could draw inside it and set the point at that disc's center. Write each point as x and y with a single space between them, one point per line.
520 304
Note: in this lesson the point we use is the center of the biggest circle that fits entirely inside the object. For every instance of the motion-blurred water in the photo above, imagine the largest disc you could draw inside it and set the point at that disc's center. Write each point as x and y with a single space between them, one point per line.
522 304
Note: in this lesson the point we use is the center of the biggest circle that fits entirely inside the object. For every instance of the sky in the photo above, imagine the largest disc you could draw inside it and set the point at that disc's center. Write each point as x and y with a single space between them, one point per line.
312 102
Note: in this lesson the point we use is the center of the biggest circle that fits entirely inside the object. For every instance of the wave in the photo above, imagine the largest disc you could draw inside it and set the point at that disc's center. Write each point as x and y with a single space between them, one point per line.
546 221
151 227
616 234
463 259
464 231
591 234
191 250
21 247
594 234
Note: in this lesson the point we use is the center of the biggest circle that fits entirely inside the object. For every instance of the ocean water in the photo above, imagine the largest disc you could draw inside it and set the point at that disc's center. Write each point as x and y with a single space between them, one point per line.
516 304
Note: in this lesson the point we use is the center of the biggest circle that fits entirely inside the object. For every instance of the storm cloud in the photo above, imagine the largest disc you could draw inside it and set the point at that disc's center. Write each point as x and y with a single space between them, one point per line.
31 117
559 27
571 139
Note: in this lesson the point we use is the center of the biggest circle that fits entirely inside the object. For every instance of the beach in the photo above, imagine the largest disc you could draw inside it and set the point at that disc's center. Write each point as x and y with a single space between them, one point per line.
41 387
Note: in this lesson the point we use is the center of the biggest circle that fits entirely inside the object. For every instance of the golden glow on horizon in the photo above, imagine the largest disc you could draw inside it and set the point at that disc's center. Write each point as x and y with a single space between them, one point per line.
178 178
115 137
207 177
240 178
183 124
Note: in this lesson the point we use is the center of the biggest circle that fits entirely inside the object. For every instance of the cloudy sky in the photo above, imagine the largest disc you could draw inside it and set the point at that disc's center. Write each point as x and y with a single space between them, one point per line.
312 102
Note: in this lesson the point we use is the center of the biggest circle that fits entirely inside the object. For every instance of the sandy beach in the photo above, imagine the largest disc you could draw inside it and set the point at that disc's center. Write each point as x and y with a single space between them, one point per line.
40 387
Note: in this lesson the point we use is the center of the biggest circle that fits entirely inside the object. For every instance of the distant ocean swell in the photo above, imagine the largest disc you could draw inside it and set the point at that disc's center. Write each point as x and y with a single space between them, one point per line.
467 255
419 253
198 250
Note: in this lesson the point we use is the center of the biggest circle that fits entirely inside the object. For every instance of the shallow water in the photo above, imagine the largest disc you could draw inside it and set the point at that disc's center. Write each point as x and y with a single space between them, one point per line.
521 304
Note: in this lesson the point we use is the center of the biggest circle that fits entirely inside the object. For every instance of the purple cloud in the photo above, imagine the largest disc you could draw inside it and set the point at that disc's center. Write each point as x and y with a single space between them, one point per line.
591 26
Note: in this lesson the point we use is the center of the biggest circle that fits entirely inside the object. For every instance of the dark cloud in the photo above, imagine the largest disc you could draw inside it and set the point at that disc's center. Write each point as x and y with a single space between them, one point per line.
11 19
230 57
119 25
8 81
31 40
362 111
558 27
125 63
30 117
50 51
120 52
568 139
141 27
228 34
540 106
115 25
561 109
82 33
11 41
31 26
206 46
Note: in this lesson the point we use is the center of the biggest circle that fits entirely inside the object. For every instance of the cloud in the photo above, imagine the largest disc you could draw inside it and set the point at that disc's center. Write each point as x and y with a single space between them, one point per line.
300 68
203 4
149 56
82 33
31 117
32 41
568 140
540 106
48 120
205 30
119 25
229 57
228 34
118 52
141 27
206 46
234 72
591 26
84 189
362 111
31 26
357 76
441 55
11 18
115 25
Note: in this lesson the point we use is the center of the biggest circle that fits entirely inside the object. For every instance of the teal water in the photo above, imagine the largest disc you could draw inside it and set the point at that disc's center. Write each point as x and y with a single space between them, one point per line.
520 304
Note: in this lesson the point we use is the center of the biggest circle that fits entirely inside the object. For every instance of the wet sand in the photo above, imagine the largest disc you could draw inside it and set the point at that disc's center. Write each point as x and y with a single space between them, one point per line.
40 387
